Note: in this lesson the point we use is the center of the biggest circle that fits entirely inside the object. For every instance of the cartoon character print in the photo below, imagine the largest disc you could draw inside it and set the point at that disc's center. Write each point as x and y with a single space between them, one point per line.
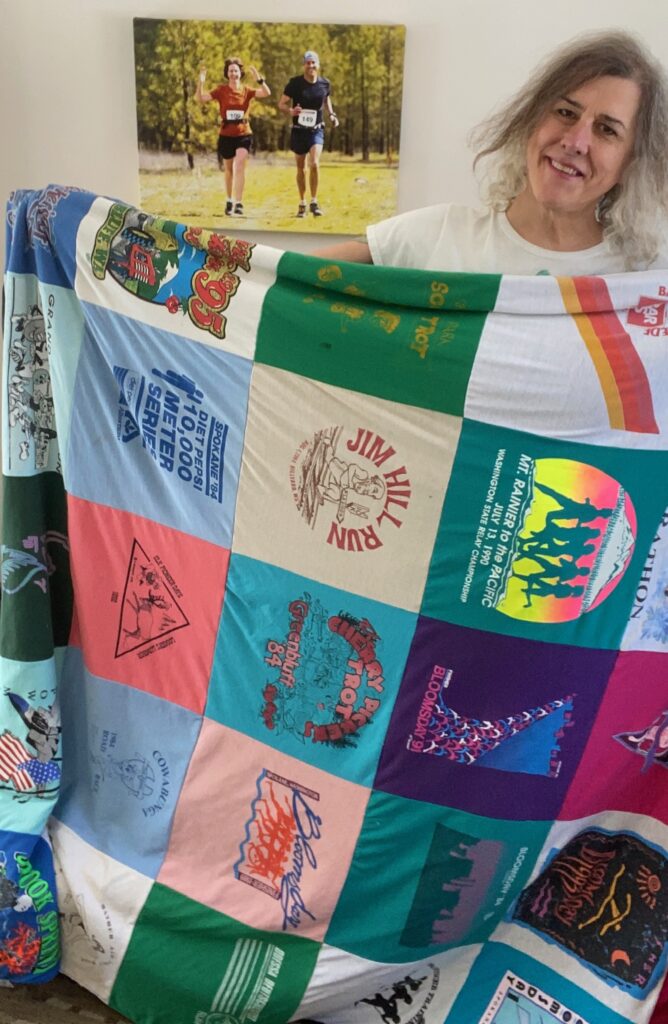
135 773
326 667
31 419
11 897
78 938
325 477
351 487
144 610
149 609
30 764
317 659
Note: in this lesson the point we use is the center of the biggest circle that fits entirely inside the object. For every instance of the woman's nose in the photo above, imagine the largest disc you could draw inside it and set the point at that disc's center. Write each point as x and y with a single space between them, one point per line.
577 139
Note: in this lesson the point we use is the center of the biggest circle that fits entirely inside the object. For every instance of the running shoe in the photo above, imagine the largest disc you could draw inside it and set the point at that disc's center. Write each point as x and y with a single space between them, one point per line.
238 209
301 210
229 206
314 208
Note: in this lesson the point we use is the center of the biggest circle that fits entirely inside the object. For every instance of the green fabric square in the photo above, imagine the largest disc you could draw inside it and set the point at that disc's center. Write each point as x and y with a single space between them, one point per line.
340 323
188 963
36 608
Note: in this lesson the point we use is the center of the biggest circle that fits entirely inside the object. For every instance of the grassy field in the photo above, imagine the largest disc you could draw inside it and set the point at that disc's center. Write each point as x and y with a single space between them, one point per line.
352 195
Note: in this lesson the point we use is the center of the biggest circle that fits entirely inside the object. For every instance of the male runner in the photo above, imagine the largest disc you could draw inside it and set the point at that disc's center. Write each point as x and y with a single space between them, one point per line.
303 99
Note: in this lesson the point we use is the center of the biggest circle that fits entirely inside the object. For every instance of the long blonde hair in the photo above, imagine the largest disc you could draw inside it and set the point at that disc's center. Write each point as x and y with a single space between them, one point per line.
632 211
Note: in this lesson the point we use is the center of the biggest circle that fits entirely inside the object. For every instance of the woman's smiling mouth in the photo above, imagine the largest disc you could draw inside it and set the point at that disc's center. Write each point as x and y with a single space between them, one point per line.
572 172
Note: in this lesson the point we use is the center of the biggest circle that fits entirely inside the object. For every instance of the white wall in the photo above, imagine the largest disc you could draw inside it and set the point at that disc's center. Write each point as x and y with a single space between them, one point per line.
67 80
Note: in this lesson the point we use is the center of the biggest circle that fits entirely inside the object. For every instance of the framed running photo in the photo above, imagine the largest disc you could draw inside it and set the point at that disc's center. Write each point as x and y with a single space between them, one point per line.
279 126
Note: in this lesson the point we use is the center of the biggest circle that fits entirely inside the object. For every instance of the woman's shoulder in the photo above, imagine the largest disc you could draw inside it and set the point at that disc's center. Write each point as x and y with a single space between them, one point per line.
473 217
450 216
412 238
435 216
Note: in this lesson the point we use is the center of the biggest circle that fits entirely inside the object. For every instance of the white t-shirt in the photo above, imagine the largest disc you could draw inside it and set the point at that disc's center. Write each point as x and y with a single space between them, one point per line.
459 238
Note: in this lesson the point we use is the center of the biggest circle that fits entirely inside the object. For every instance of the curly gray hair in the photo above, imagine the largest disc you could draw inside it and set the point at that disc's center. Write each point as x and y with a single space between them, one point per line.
631 212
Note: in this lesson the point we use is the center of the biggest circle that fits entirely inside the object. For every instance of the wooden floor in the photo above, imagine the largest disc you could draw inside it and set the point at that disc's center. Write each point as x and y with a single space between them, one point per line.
58 1002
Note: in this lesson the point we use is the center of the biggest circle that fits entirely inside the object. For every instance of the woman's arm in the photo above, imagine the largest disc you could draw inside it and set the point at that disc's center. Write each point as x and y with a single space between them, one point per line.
354 251
200 93
264 90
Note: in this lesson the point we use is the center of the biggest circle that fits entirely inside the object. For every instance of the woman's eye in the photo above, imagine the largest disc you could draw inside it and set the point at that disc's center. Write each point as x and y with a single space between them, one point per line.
565 112
607 129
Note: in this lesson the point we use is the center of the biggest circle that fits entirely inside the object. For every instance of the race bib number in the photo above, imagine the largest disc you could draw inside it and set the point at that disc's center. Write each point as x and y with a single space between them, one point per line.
308 118
234 115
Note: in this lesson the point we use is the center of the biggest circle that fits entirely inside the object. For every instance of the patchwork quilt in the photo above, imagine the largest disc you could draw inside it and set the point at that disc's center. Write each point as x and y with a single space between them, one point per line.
333 632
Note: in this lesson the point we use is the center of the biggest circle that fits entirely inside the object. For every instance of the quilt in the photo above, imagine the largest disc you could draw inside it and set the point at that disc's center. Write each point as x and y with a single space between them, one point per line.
333 632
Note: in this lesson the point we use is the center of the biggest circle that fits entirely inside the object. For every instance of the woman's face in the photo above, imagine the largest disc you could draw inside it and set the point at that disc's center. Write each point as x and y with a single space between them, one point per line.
234 74
581 146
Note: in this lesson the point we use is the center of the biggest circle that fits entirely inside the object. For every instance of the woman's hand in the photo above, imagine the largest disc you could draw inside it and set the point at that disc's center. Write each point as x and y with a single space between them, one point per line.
264 89
201 95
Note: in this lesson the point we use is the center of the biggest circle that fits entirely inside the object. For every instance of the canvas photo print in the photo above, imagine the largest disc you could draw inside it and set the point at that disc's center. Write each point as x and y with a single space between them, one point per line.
275 126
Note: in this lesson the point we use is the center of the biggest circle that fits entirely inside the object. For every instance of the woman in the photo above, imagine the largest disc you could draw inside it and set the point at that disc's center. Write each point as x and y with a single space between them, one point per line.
578 183
234 140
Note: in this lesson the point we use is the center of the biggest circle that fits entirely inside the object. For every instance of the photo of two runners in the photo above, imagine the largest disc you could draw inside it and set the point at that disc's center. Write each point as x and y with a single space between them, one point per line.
279 126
